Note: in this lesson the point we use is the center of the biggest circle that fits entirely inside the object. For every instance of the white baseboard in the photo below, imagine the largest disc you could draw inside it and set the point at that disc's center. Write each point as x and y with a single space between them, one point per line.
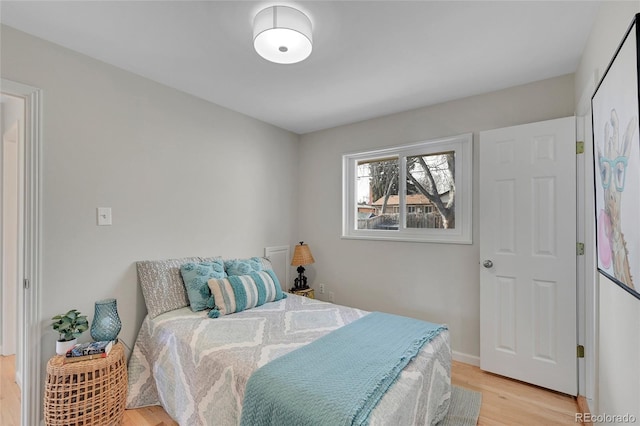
466 358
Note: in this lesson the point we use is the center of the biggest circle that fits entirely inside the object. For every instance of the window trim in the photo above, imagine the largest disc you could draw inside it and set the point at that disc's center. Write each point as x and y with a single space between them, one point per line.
462 234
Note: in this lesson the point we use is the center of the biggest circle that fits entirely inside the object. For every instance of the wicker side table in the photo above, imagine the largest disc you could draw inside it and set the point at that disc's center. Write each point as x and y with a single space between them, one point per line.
91 392
306 293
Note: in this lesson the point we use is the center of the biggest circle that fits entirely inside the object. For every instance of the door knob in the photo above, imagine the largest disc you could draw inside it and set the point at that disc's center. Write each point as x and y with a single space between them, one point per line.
487 264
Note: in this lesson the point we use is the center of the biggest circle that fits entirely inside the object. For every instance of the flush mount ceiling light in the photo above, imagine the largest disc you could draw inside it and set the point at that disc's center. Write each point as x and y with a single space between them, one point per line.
282 34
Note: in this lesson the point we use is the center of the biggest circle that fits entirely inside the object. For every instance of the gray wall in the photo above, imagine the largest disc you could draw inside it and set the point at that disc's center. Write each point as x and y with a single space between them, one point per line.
435 282
617 312
184 177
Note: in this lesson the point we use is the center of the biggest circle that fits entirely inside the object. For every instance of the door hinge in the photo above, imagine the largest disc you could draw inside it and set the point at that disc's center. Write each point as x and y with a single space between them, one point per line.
580 249
579 147
580 351
25 283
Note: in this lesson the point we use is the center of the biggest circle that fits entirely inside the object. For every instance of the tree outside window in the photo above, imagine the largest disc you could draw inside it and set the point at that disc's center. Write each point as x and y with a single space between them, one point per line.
411 192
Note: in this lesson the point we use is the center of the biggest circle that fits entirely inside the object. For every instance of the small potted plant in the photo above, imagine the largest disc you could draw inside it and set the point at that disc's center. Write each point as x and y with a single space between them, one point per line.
69 326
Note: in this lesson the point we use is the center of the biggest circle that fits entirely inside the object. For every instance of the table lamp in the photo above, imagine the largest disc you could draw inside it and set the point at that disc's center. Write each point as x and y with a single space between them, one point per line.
301 256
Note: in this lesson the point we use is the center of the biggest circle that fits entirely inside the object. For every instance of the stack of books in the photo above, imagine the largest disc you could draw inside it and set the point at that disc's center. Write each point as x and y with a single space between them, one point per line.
90 350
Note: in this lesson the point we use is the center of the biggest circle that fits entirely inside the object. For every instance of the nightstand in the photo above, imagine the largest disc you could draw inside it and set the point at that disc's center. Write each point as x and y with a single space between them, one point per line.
91 392
306 293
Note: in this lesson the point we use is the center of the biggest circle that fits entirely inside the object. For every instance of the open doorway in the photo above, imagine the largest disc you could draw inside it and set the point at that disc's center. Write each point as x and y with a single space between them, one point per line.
12 119
20 227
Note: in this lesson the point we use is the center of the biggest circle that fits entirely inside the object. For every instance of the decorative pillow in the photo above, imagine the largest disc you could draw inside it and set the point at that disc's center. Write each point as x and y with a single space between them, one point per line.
162 285
210 259
239 292
243 266
195 276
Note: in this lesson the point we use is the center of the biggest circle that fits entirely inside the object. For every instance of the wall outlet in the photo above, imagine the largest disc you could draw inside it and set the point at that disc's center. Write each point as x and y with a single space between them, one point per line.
332 297
321 287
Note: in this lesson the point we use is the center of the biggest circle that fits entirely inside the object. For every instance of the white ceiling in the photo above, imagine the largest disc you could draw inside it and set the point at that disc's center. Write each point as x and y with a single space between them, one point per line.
370 58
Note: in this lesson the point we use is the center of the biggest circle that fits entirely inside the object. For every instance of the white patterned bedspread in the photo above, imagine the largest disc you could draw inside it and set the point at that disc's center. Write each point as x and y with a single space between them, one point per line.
197 367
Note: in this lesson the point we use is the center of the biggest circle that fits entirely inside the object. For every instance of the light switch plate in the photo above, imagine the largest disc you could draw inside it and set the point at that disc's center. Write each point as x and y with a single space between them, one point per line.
104 216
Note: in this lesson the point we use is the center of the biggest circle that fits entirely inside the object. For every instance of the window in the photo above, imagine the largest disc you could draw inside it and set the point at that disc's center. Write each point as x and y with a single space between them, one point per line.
417 192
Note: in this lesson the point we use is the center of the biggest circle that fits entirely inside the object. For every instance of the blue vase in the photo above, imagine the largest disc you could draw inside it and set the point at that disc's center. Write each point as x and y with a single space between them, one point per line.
106 323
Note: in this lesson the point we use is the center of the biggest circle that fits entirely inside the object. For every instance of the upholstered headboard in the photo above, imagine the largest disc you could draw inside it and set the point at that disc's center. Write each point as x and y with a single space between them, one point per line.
280 259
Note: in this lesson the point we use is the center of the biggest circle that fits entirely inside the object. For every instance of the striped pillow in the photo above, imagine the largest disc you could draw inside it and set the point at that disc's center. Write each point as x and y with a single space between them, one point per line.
236 293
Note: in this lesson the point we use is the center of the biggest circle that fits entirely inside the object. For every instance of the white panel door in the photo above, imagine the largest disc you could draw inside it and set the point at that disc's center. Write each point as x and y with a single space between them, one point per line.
528 253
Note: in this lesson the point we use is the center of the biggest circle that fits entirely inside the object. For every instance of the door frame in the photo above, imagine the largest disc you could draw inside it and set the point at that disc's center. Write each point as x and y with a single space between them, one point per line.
30 350
588 284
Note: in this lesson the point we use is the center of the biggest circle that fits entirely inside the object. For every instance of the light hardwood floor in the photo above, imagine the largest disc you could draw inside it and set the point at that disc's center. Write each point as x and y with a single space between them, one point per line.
504 401
9 392
510 402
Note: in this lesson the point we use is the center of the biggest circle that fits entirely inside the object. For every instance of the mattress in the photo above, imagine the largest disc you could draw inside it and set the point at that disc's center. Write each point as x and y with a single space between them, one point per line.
197 367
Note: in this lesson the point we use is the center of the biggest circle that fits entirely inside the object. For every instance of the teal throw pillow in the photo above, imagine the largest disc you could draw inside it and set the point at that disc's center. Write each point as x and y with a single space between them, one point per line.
243 266
195 277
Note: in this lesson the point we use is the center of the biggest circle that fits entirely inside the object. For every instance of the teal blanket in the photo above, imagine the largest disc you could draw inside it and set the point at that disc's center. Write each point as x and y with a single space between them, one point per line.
339 378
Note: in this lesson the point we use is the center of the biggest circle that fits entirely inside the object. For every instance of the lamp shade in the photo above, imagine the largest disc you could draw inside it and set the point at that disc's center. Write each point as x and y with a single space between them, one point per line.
302 255
282 34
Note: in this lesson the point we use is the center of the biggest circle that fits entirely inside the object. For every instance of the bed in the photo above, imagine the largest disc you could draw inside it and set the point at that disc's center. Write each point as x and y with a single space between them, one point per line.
197 367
